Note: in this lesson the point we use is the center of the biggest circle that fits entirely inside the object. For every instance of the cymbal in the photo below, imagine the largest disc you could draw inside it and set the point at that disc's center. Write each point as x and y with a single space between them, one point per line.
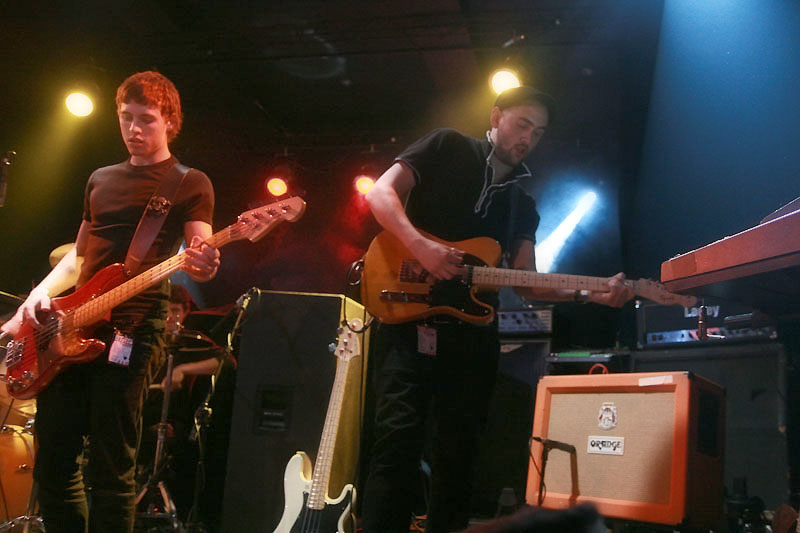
188 340
59 252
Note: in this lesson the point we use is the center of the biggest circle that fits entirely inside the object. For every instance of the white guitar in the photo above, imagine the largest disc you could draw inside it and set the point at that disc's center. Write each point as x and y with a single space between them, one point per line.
308 508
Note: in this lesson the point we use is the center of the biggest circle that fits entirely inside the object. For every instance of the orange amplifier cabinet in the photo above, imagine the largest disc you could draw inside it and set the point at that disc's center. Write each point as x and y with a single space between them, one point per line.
647 446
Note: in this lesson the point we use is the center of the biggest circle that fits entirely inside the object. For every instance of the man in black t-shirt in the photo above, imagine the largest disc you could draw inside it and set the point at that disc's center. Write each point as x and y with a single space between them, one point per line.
102 399
455 188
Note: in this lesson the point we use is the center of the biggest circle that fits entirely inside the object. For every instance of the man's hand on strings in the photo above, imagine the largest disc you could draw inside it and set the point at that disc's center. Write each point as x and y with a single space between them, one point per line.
201 260
440 260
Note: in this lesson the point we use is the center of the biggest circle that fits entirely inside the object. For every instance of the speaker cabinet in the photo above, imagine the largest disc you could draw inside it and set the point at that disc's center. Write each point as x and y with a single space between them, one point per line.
755 380
286 372
642 446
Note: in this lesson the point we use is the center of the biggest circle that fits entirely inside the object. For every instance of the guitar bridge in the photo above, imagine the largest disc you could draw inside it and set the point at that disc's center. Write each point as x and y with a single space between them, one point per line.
404 297
13 354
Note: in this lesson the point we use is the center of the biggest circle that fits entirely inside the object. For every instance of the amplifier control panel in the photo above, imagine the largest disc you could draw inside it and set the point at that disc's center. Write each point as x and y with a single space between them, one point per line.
525 321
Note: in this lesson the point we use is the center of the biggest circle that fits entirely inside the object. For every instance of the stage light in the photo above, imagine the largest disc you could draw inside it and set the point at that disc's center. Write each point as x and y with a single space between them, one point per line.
277 186
79 104
547 251
363 183
503 79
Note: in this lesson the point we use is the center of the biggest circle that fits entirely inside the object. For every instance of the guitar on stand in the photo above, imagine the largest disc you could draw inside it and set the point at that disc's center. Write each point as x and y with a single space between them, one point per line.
307 507
37 355
395 288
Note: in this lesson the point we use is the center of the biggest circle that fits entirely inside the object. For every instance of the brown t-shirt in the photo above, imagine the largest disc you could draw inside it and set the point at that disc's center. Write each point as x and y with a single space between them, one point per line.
114 201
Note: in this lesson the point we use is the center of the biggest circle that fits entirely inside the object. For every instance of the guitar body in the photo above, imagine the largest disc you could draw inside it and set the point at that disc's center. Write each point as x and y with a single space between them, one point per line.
297 517
35 357
396 289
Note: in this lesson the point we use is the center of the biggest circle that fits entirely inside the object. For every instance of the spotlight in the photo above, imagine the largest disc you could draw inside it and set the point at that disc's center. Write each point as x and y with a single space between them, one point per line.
363 183
276 186
548 250
503 79
79 104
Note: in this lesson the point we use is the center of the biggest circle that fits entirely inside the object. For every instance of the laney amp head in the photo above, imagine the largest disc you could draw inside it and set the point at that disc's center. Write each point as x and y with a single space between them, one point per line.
660 326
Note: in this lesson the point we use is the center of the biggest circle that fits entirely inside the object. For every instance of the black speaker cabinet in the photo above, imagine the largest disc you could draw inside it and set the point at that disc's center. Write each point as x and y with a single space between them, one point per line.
754 376
286 371
502 460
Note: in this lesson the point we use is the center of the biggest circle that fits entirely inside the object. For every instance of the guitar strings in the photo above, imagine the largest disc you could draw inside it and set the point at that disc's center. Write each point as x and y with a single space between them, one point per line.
99 305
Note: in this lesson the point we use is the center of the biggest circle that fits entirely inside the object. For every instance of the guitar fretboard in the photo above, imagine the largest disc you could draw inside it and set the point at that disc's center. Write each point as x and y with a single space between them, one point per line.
507 277
96 309
324 462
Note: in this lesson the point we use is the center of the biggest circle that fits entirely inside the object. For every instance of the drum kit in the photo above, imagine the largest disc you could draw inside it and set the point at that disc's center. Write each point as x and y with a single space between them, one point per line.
158 511
17 455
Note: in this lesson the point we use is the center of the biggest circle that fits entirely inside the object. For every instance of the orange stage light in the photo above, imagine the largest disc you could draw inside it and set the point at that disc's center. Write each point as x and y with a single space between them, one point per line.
277 186
363 183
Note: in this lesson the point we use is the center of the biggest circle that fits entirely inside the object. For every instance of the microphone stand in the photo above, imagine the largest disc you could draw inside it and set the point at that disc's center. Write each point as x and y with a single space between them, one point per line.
202 416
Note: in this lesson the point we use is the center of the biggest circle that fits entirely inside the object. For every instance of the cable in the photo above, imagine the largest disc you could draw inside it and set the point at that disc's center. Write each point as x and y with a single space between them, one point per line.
538 470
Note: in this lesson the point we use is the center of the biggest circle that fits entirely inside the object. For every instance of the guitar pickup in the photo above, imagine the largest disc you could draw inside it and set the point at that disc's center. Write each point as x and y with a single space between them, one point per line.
13 353
404 297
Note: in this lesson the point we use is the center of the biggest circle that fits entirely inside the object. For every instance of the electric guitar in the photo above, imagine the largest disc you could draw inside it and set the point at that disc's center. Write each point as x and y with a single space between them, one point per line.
396 288
39 354
307 507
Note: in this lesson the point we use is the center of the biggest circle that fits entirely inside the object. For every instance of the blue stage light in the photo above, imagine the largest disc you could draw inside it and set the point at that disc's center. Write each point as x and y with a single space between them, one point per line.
547 251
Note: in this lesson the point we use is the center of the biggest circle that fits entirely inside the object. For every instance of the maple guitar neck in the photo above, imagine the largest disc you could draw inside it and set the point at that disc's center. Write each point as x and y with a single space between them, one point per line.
96 308
508 277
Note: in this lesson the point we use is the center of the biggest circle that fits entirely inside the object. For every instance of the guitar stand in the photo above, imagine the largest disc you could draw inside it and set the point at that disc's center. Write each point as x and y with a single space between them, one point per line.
167 512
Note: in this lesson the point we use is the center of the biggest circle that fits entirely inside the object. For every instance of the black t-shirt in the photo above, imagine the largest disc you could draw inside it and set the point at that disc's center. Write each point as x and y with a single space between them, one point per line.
114 201
454 198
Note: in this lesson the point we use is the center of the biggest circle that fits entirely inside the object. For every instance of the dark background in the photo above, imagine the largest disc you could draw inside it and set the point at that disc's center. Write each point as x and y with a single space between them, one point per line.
682 116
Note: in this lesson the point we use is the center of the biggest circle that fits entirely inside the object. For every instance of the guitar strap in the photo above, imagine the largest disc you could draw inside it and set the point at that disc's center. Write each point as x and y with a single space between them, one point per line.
153 217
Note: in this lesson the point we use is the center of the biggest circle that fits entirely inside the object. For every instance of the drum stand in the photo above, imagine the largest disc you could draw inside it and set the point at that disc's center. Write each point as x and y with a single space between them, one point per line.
30 523
168 511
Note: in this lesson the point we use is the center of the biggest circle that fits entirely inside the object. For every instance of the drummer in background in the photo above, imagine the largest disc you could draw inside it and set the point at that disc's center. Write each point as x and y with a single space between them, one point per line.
186 455
180 304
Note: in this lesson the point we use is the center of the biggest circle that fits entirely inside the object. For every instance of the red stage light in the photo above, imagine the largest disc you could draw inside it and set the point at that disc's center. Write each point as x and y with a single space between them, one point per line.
363 183
277 186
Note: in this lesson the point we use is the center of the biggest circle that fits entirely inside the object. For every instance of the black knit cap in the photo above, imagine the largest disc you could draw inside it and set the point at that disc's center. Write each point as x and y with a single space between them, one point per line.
526 95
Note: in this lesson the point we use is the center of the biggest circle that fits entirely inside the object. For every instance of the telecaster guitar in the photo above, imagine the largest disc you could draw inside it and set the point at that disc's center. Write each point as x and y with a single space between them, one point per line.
395 288
307 507
37 355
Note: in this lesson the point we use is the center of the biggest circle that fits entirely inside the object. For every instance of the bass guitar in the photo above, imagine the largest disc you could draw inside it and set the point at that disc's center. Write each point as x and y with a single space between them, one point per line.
396 288
36 355
307 508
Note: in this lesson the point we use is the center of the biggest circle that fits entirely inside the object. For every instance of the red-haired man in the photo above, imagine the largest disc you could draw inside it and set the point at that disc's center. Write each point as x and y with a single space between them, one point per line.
102 399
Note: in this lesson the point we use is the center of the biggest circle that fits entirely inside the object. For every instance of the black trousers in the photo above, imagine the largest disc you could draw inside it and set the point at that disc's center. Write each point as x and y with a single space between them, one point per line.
101 401
456 384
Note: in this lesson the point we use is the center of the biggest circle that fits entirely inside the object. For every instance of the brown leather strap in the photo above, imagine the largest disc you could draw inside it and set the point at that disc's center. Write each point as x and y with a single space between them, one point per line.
153 217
